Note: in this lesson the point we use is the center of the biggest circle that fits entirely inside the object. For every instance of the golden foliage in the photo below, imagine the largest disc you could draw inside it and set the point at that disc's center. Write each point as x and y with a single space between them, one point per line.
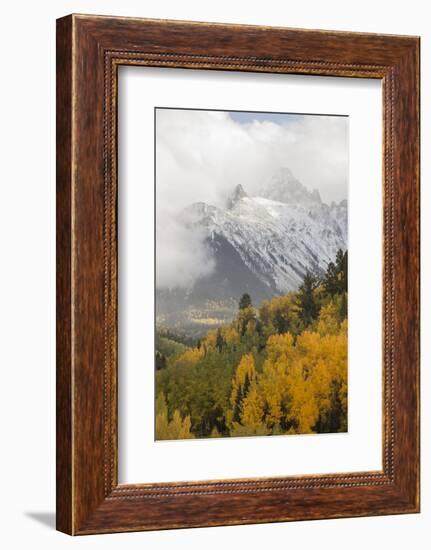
177 428
328 322
270 371
301 383
252 409
191 356
246 319
231 335
244 373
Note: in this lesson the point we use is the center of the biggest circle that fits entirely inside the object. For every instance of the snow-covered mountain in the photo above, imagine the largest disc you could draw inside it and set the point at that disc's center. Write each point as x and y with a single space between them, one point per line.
264 244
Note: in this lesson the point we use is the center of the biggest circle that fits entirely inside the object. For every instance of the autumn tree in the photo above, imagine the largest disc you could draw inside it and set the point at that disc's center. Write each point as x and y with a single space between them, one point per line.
190 356
281 368
328 321
273 386
343 306
246 317
244 376
318 382
177 428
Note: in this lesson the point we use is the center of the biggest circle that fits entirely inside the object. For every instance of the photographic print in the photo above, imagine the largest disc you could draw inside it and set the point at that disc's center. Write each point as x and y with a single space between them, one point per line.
251 248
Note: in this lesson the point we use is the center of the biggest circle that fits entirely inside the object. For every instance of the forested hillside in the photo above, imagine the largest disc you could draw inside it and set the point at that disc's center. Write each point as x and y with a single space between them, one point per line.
280 368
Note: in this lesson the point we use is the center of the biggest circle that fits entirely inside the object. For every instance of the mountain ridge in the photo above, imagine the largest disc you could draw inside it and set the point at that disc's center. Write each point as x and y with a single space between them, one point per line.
268 241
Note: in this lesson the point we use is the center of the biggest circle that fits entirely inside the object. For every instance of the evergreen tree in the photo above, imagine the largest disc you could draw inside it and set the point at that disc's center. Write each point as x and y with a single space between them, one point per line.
330 280
339 260
237 406
279 369
342 268
343 307
219 340
307 303
335 279
281 322
160 361
245 301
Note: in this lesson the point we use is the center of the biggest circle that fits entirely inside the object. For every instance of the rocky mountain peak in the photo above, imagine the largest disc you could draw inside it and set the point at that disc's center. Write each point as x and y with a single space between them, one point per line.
237 194
284 187
267 242
196 212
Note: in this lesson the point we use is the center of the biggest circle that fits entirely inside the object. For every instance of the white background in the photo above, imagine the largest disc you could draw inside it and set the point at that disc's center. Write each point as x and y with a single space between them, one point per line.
141 458
27 239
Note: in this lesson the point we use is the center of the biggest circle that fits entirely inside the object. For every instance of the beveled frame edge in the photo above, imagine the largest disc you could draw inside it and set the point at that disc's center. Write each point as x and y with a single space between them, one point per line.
90 500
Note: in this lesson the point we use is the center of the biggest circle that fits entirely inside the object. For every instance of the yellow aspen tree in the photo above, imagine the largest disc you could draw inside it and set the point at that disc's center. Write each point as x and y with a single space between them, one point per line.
273 383
231 335
245 316
245 371
327 322
191 356
244 376
210 340
162 423
252 409
303 409
184 431
177 428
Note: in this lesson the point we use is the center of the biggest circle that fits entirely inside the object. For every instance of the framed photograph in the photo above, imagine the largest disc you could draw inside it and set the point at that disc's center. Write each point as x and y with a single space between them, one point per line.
237 274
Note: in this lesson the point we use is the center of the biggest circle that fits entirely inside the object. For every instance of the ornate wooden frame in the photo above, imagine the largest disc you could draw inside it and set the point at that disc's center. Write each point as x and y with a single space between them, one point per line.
89 51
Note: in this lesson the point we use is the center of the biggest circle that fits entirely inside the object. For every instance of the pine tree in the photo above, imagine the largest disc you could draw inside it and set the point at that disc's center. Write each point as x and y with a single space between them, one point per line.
219 341
308 306
330 281
160 361
339 260
237 406
245 301
281 322
335 279
342 264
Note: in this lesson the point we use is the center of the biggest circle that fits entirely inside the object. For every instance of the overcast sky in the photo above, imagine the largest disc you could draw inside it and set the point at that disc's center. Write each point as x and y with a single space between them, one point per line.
203 155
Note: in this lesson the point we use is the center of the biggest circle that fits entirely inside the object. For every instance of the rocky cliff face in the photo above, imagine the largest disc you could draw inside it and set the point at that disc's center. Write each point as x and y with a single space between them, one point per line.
263 244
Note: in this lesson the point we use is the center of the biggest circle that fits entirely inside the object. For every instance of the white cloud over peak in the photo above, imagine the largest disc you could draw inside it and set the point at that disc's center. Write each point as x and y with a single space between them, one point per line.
203 155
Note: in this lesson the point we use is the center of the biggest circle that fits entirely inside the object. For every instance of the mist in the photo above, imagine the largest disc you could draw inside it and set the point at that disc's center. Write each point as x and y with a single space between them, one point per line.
203 155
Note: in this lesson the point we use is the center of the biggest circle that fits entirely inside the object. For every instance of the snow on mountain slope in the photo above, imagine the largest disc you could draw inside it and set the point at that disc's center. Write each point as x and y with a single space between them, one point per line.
279 235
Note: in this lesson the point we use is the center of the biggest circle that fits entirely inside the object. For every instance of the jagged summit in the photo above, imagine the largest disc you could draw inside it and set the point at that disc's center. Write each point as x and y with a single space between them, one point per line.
261 244
238 194
195 212
283 186
272 239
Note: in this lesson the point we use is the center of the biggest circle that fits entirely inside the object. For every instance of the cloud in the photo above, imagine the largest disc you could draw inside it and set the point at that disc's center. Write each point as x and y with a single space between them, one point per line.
203 155
182 256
